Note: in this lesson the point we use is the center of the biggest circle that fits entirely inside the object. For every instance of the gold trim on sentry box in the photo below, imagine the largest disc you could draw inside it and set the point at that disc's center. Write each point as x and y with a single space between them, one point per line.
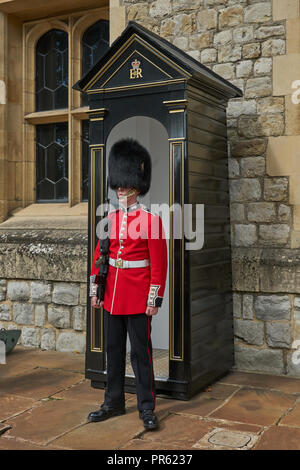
94 149
141 85
176 143
129 41
138 53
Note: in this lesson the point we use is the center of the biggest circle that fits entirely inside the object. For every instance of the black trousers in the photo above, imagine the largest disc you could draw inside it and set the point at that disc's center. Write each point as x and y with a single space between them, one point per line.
139 330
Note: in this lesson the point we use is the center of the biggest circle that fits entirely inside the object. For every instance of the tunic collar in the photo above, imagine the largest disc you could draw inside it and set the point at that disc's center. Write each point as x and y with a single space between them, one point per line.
132 207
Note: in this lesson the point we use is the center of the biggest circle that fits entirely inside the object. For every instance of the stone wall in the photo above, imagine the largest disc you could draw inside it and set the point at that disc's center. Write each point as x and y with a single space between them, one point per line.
43 290
240 40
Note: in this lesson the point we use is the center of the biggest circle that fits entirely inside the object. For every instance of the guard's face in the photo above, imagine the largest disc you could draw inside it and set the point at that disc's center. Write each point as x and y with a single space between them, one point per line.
122 192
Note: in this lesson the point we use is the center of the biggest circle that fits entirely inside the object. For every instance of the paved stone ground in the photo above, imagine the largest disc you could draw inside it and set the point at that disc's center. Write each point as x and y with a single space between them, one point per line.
45 400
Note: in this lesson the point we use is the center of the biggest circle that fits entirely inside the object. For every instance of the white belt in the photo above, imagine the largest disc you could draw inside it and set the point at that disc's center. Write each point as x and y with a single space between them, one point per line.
122 263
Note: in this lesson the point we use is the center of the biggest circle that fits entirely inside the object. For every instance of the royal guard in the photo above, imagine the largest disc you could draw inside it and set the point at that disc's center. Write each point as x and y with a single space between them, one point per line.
135 282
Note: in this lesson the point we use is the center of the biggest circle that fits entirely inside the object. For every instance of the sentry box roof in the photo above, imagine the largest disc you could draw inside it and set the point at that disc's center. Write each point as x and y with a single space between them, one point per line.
161 61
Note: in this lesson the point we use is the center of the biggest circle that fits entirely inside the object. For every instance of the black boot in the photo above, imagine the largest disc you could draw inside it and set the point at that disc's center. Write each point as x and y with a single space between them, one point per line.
149 418
104 413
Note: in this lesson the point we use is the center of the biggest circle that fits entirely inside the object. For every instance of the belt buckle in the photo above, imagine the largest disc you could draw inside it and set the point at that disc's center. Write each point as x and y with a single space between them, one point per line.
119 263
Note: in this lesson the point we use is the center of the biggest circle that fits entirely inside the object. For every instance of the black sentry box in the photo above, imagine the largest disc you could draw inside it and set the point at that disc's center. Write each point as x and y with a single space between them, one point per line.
144 78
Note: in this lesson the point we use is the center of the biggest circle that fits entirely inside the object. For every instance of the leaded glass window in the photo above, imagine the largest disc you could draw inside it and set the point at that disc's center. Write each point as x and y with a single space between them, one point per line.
52 71
52 162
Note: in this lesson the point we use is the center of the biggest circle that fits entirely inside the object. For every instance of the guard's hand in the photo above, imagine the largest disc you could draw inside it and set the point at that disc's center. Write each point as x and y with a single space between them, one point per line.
150 311
95 304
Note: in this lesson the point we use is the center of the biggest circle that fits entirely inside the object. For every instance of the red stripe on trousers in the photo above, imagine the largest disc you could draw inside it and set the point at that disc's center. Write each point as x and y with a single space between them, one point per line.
150 360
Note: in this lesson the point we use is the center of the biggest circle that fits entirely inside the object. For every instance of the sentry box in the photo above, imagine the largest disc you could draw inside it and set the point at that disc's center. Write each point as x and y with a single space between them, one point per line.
145 88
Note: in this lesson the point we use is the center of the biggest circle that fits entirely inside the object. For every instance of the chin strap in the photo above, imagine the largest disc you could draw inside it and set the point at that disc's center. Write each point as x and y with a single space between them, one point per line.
130 193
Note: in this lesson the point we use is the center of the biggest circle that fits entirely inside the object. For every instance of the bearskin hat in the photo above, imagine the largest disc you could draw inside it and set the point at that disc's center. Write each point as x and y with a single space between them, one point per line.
129 166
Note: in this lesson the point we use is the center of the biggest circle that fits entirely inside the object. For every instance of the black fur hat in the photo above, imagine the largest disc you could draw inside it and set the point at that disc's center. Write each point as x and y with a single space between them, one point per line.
129 166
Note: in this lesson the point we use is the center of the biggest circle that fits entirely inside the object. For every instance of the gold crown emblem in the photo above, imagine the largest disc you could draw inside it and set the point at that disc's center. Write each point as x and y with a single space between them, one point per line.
135 64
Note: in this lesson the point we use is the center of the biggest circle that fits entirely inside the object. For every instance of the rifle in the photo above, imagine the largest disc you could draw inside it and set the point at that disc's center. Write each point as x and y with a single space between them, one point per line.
102 261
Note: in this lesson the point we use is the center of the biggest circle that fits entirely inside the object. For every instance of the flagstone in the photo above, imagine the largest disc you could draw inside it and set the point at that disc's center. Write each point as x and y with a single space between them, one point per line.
11 405
293 417
110 434
39 383
51 419
255 406
279 438
271 382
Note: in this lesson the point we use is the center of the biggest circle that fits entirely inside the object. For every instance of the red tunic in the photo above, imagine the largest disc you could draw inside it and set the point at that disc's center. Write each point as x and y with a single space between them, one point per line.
136 234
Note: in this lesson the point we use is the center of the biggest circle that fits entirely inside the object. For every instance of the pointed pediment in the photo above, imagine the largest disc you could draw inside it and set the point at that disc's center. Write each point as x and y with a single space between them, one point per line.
139 57
136 63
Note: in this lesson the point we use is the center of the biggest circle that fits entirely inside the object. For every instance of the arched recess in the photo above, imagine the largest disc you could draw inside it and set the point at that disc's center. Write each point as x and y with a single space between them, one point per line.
152 135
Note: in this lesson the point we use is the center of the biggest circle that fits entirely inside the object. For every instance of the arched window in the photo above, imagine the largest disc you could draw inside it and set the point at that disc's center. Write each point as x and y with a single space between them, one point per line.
52 71
95 42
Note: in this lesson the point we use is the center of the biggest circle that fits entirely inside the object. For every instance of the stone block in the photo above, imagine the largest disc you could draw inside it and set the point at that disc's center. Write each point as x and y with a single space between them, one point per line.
275 189
244 69
247 148
200 41
184 24
208 55
272 307
261 212
237 212
284 213
59 316
48 339
40 292
258 13
229 53
278 334
160 8
79 318
65 293
261 126
18 290
245 189
233 168
237 306
231 16
243 34
245 235
273 47
247 307
30 337
5 312
255 359
252 166
207 19
40 315
249 331
70 342
251 51
167 27
258 87
269 31
274 234
23 313
270 105
223 37
263 66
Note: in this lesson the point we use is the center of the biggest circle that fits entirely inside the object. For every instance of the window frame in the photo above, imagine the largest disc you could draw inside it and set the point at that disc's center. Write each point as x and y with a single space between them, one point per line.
75 25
